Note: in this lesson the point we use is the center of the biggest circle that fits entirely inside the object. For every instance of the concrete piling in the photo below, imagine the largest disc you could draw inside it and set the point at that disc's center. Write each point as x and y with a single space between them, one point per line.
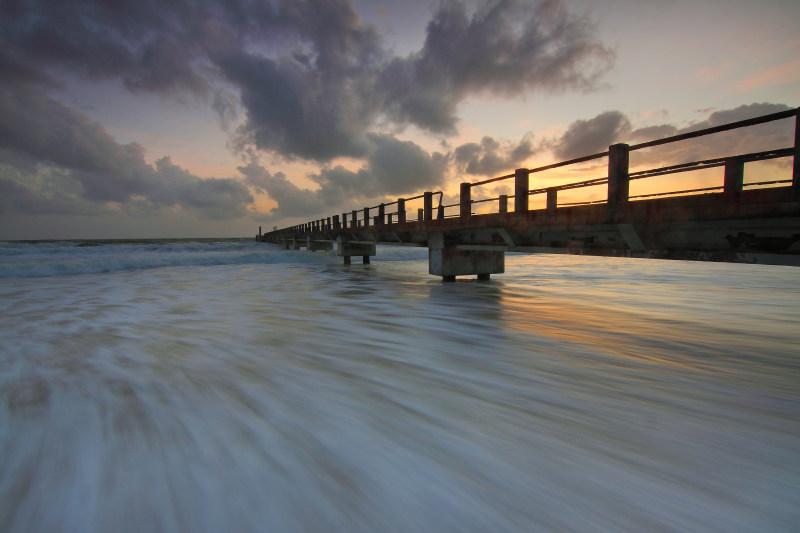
348 249
450 260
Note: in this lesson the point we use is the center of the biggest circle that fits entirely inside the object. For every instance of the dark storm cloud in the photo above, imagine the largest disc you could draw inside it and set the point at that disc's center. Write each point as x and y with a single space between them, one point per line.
292 200
649 133
313 78
392 168
492 157
67 156
505 48
585 137
18 198
310 79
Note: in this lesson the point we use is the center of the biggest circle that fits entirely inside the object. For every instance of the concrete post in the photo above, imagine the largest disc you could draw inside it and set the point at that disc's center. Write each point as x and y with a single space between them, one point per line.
366 217
336 222
427 200
618 179
401 210
552 200
420 214
328 223
344 220
504 203
466 200
734 175
354 222
382 214
521 177
391 216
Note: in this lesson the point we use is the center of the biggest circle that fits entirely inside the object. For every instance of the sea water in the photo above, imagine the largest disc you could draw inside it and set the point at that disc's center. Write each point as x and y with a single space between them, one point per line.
230 386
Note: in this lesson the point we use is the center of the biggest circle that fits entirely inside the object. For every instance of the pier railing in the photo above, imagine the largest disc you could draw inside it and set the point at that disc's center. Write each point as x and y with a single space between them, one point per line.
617 180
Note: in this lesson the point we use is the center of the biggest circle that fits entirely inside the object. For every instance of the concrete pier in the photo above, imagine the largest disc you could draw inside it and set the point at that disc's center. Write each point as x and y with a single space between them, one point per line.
449 260
314 245
736 220
348 249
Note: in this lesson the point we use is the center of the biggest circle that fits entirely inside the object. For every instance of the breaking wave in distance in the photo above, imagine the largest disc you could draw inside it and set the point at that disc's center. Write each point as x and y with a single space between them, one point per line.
64 258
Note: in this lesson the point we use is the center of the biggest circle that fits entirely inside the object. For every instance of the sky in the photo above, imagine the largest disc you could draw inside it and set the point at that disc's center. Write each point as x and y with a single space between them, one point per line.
210 118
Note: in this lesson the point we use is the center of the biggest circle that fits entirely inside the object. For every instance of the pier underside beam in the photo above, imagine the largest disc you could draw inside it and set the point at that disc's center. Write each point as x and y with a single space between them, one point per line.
449 260
347 249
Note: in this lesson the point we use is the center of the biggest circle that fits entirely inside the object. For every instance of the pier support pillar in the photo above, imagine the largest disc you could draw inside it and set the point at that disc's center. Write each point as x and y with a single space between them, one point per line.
347 249
313 245
449 260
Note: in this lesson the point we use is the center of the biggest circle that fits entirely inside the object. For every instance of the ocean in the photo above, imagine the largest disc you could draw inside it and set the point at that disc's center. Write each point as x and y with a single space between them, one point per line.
225 385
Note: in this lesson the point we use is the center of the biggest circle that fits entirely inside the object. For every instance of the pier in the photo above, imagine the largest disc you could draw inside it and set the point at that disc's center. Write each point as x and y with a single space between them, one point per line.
755 222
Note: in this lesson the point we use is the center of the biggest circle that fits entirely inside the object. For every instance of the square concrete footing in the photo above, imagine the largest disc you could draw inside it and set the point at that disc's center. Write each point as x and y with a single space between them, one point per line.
347 249
313 246
446 260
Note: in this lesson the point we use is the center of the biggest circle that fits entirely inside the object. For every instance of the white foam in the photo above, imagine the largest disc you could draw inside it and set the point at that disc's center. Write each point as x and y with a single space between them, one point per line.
294 393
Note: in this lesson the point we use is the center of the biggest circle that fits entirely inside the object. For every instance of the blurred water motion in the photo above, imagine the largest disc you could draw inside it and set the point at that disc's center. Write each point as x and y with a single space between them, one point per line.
571 394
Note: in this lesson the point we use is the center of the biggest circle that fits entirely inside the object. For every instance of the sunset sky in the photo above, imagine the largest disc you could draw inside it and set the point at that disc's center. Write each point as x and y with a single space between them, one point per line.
142 118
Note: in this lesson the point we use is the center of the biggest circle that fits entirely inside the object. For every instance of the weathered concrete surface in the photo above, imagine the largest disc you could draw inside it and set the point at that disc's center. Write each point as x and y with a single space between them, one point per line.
313 245
449 259
350 248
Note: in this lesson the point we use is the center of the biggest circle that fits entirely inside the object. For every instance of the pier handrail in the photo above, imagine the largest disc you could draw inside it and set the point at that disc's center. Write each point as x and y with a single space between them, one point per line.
617 180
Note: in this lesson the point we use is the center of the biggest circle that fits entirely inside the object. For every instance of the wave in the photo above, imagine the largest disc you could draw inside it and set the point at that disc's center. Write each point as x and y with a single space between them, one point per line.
64 258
